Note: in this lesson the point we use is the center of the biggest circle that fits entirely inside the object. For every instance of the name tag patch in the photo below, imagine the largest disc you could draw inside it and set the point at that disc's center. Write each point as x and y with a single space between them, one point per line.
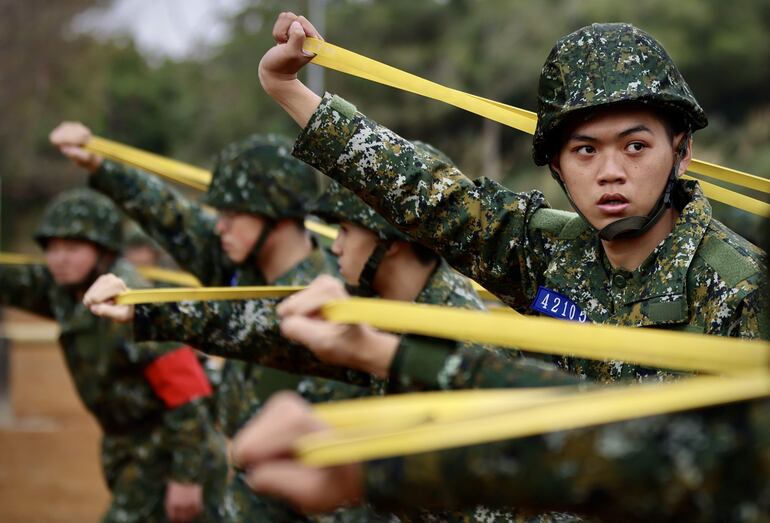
556 305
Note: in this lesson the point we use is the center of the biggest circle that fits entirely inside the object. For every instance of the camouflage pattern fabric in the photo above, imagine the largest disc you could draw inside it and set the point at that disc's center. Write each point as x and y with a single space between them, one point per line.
187 232
144 444
708 465
702 278
248 330
338 204
603 64
82 214
259 176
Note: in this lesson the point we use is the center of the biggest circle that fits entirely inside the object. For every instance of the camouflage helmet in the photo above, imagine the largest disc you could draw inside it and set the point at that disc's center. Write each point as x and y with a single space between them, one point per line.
338 204
260 176
82 214
605 64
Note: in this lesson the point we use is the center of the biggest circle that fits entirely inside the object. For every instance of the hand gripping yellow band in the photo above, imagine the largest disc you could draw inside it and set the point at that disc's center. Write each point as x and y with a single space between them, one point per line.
342 60
495 423
652 347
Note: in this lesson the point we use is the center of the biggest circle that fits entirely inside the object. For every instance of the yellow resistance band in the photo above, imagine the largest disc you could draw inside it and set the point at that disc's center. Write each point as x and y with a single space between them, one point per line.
11 258
403 409
149 272
172 276
171 169
339 59
573 411
651 347
137 296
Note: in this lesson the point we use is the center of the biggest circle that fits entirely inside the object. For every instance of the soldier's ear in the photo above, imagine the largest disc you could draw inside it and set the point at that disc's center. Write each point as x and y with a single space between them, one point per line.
686 159
555 166
394 248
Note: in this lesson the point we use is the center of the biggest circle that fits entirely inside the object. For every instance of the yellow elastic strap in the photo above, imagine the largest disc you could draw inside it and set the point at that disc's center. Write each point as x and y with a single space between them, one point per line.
358 443
12 258
651 347
172 276
337 58
171 169
435 406
149 272
732 198
321 229
137 296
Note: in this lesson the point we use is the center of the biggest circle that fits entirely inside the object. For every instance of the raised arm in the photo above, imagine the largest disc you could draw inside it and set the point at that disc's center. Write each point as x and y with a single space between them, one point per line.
180 226
480 227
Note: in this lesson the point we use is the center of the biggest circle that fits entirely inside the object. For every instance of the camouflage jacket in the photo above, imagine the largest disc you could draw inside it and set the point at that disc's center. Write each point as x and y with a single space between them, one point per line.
108 370
187 232
248 330
704 465
701 278
235 329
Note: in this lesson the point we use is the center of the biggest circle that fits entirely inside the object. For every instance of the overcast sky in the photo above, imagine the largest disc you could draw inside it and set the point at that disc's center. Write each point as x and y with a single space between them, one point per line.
162 28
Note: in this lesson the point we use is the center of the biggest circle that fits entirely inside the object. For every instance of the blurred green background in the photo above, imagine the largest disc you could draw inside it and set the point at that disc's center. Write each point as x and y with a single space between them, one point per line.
189 107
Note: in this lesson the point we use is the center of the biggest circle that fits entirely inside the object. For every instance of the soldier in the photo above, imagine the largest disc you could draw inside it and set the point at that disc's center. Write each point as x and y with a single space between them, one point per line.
140 250
161 458
700 465
261 194
615 119
374 259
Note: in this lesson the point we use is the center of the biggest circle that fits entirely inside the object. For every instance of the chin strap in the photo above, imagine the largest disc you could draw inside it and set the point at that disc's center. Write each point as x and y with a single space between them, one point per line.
365 287
634 226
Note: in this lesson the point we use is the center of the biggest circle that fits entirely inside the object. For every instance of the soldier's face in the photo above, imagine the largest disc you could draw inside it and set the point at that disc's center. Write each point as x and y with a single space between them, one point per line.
238 233
616 164
70 261
141 255
353 246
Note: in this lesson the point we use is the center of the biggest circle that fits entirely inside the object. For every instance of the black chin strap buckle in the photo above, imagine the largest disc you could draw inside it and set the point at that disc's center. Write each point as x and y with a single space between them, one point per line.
365 287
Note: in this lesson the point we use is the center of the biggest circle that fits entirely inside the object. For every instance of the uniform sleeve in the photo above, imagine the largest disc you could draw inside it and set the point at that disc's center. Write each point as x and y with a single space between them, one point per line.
479 227
246 330
181 383
179 225
423 363
706 465
26 287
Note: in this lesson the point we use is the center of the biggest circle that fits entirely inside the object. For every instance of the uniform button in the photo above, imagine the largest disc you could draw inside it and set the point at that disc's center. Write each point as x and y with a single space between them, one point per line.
619 281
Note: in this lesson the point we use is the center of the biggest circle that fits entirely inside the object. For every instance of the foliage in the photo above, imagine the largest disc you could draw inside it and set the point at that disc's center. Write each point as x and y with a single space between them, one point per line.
493 48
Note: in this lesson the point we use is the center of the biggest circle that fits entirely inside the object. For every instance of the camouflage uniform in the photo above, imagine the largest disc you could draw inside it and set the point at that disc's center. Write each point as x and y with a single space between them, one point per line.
702 278
704 465
258 176
249 331
145 444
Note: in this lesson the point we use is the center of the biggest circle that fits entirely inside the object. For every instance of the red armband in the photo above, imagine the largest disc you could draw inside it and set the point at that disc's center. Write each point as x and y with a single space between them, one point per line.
177 377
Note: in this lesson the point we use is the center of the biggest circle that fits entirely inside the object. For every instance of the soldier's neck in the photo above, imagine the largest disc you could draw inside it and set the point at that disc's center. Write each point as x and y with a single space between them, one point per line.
287 246
402 277
629 253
